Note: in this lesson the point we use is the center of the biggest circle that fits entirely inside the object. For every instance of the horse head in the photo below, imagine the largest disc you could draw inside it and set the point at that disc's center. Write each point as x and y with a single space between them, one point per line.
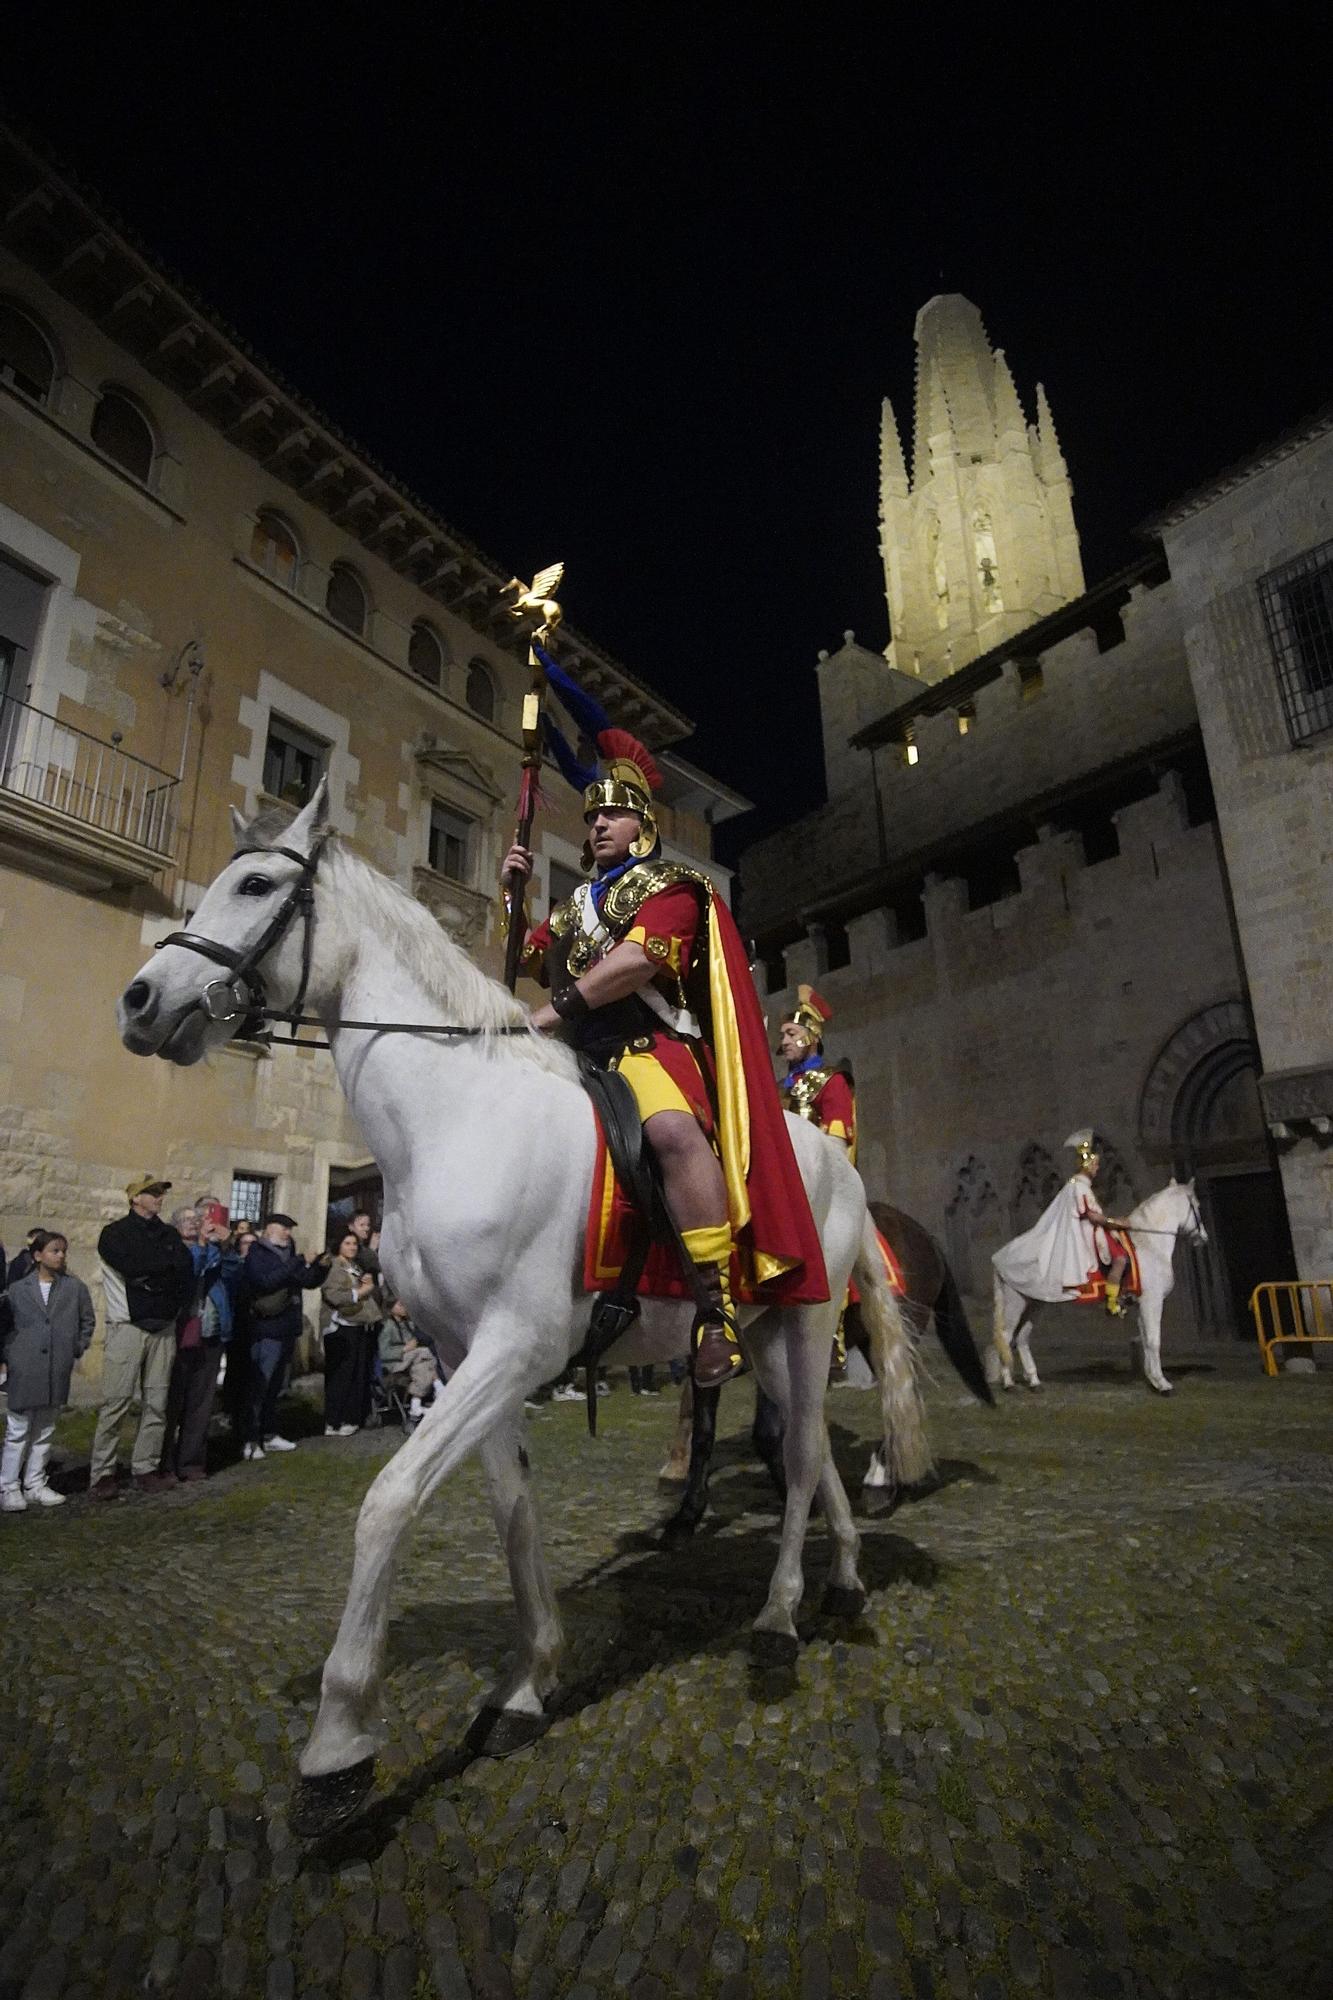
1187 1218
248 947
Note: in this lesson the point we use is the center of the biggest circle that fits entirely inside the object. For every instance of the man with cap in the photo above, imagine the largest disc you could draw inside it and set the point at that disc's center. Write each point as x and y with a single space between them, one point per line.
648 973
271 1280
822 1094
147 1279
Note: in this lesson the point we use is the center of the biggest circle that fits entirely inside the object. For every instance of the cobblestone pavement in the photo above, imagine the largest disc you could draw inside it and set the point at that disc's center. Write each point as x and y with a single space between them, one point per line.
1078 1745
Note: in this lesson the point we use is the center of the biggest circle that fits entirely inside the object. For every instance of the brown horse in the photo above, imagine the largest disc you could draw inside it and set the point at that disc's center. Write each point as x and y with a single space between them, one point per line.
930 1291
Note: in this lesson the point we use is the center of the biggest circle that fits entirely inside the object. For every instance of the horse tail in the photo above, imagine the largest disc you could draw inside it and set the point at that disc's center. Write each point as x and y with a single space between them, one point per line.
998 1335
907 1454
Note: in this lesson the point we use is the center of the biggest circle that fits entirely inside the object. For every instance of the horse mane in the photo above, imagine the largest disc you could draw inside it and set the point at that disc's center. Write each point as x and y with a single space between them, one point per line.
1148 1211
364 902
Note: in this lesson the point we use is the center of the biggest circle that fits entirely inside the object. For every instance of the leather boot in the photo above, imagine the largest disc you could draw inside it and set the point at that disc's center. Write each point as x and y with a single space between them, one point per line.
715 1343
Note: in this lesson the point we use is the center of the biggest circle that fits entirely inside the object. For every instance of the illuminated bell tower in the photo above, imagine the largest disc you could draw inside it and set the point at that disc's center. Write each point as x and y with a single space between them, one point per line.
980 541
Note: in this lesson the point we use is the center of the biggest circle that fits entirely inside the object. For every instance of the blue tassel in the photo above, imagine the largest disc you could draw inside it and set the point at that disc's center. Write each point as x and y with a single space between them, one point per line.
583 710
580 776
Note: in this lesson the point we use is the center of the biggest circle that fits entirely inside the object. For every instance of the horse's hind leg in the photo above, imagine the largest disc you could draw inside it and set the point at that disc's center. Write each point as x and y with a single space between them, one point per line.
676 1469
1023 1342
520 1696
766 1437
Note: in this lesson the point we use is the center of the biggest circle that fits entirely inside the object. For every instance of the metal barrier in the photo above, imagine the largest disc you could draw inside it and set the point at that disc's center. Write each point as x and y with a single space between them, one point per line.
98 783
1299 1310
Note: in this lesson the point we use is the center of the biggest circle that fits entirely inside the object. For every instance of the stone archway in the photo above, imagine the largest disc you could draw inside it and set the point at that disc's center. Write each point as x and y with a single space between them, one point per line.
1201 1116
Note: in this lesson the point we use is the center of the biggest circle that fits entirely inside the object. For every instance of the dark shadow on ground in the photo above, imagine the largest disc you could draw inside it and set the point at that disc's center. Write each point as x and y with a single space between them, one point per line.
1128 1375
639 1609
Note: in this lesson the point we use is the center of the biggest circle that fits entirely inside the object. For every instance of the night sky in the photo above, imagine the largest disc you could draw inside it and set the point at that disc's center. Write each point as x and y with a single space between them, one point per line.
632 296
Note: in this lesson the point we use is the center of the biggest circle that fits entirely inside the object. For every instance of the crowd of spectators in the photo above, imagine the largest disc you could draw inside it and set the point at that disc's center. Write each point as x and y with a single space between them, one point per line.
201 1308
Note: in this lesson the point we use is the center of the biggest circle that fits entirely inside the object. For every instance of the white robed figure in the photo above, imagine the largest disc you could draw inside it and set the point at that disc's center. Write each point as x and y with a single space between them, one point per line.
1071 1243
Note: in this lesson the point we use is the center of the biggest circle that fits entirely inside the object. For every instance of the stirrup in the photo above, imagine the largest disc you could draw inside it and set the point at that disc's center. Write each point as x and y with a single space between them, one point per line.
727 1360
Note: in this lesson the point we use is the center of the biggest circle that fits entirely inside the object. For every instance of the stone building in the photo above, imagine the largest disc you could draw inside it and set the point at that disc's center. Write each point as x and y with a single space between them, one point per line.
208 596
1015 897
1252 565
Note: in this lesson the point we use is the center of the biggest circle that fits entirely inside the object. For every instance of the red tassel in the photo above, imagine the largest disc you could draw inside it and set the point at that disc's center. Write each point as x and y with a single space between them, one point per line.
529 793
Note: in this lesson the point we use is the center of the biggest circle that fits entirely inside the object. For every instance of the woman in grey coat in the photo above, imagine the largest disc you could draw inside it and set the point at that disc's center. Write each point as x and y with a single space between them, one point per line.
46 1323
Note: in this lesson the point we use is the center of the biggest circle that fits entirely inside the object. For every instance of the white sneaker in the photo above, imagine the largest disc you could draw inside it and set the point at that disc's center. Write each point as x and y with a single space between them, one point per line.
569 1394
12 1501
276 1443
414 1408
604 1388
343 1431
44 1495
252 1451
331 1431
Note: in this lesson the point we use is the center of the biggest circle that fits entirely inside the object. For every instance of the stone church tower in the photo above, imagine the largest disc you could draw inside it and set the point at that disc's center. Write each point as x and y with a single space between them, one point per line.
981 541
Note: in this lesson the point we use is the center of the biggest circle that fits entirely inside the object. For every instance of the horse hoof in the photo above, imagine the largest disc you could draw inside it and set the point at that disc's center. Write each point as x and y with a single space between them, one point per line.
1036 1387
499 1732
325 1802
680 1527
774 1649
842 1602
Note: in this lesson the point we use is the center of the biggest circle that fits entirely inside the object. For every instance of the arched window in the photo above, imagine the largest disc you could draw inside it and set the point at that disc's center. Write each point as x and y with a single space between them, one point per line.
345 598
122 431
273 548
26 356
425 654
480 690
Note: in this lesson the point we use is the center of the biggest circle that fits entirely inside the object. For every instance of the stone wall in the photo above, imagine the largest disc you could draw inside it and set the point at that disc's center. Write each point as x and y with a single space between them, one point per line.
1027 740
978 1048
1275 802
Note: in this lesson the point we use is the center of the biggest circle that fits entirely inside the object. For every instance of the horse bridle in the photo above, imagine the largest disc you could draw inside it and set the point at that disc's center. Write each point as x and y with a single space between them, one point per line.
243 996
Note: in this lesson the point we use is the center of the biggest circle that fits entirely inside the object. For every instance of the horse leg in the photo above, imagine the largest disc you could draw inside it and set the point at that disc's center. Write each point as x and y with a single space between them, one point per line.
1150 1322
766 1437
1023 1341
694 1501
806 1336
515 1709
1000 1359
337 1764
677 1467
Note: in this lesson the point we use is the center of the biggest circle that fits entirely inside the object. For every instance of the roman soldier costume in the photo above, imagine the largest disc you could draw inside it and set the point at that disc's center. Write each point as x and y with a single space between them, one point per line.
1071 1244
691 1041
814 1088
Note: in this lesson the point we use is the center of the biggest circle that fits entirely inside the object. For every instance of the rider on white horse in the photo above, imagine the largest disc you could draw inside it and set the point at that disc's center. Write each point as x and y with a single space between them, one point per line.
1071 1243
649 974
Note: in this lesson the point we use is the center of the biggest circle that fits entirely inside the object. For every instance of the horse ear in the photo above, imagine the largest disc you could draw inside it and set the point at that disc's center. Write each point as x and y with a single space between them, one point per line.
312 820
1172 1181
240 826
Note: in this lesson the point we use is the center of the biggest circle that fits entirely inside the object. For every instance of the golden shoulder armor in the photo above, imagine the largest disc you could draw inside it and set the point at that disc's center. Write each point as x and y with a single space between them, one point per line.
802 1093
625 897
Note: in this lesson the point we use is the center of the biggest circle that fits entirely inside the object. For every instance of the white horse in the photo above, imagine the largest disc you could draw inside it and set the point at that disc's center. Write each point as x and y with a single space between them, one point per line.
1154 1225
486 1142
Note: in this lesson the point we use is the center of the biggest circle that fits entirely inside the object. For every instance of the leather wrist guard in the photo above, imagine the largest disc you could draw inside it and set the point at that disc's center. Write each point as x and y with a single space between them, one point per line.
570 1004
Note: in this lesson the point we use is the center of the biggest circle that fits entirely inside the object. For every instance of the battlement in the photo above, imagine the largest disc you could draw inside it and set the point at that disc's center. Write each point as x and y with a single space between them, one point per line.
1014 738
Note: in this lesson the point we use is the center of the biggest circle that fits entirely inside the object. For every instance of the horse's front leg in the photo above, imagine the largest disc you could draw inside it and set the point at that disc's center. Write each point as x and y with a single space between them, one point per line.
337 1764
806 1335
1150 1323
515 1710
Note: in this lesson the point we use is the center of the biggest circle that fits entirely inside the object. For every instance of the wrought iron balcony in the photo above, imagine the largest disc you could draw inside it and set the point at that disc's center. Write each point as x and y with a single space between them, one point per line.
77 809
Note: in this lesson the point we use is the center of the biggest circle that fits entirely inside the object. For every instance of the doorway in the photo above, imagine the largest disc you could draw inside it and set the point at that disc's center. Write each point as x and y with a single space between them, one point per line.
1201 1114
352 1189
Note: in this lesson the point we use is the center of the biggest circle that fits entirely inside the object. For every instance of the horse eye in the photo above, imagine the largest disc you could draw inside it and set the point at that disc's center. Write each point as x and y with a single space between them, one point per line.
254 885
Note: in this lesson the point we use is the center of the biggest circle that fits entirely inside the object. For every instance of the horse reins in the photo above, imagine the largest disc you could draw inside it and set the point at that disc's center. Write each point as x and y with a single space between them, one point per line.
244 996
